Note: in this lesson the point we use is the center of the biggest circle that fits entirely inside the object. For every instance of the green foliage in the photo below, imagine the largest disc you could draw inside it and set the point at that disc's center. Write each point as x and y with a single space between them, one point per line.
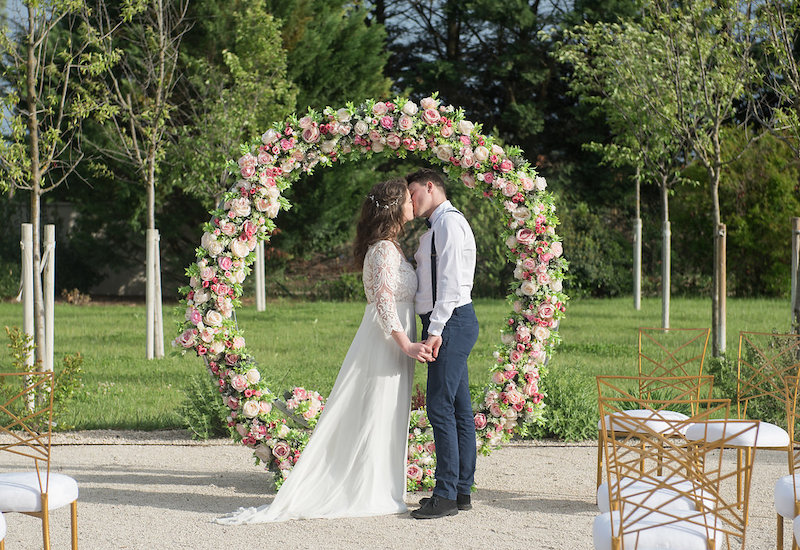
67 385
597 248
202 409
571 412
347 287
9 279
759 193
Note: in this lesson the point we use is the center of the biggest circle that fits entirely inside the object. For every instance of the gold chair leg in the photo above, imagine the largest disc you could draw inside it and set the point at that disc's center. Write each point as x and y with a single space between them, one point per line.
779 532
45 523
739 502
3 544
599 460
74 522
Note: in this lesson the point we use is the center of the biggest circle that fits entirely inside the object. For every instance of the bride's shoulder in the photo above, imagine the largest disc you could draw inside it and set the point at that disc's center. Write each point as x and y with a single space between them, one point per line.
383 247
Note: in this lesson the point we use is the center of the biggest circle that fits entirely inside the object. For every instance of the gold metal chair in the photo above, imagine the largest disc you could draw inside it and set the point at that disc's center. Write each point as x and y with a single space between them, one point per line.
767 371
672 351
653 512
648 390
787 488
26 417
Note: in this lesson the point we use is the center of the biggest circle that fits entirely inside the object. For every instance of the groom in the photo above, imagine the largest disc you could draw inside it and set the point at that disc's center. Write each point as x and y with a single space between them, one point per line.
445 271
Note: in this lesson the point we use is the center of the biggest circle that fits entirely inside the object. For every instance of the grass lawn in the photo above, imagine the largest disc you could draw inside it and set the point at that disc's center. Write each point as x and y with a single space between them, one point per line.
303 343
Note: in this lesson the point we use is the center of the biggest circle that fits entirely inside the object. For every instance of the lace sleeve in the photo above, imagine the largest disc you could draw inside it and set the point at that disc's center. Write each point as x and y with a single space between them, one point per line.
381 268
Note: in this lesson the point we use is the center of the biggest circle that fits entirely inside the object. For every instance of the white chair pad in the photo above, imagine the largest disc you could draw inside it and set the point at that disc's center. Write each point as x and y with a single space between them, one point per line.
769 435
784 495
2 527
19 492
660 421
796 528
641 492
651 535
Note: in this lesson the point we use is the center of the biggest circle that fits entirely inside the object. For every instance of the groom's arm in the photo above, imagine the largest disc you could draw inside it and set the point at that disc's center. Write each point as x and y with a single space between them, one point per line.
451 270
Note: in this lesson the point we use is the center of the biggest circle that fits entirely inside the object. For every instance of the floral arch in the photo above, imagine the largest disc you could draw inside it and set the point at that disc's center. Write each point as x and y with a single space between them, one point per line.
432 132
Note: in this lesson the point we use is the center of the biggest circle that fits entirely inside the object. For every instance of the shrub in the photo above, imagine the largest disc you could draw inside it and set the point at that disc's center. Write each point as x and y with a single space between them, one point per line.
203 410
571 412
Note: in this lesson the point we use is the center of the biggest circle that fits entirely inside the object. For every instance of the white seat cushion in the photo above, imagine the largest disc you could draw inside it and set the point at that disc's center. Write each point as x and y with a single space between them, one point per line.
796 528
660 421
2 527
784 495
19 491
641 492
769 435
651 535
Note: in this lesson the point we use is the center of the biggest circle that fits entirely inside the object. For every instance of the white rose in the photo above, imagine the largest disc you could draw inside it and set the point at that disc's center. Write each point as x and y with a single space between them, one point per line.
521 214
215 248
555 286
429 103
444 152
541 183
287 165
506 339
361 128
465 127
518 272
327 146
511 241
410 108
251 409
283 431
239 276
272 209
343 115
481 153
213 318
264 453
253 376
497 150
240 207
239 248
200 296
377 146
541 333
269 136
206 238
217 347
528 288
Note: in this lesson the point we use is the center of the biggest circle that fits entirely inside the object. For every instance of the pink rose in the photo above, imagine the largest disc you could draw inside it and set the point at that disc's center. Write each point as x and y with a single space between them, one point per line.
523 334
228 228
311 135
239 382
468 179
414 472
249 229
430 116
265 158
480 421
556 249
248 171
380 109
543 278
393 141
526 236
528 264
498 377
429 103
225 263
238 343
510 189
231 359
526 182
186 339
546 311
446 131
429 447
387 122
405 122
281 450
506 166
265 407
286 144
300 393
467 160
515 356
233 403
495 410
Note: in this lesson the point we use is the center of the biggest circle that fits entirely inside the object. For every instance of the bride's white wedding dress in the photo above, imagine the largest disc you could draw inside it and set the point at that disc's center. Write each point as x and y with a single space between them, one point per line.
355 462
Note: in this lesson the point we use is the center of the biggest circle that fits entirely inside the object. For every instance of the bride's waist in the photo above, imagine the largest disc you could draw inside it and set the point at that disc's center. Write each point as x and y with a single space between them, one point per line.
409 303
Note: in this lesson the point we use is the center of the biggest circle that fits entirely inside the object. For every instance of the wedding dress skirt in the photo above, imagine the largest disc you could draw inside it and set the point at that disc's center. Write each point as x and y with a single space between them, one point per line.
355 462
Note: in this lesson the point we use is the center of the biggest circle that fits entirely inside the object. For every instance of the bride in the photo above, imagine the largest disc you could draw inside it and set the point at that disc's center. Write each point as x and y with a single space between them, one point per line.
354 463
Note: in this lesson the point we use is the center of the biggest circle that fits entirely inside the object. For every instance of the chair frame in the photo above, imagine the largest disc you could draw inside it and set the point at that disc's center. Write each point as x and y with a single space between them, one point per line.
793 454
685 388
676 367
690 460
21 436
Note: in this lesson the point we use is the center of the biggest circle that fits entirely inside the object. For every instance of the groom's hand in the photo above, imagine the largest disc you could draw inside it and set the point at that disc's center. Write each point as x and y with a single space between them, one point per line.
435 342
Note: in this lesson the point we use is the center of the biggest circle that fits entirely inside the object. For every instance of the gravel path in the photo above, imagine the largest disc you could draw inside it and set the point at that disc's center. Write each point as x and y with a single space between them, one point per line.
152 490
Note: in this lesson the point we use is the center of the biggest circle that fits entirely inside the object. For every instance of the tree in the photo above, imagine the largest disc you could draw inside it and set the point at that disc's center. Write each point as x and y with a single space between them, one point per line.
610 64
235 87
48 90
140 87
781 25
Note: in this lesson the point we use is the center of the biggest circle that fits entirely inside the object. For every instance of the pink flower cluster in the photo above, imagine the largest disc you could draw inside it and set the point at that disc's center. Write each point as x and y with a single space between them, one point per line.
421 462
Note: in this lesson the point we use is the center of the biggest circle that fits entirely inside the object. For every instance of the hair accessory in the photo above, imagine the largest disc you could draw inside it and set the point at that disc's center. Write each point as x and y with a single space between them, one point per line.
384 206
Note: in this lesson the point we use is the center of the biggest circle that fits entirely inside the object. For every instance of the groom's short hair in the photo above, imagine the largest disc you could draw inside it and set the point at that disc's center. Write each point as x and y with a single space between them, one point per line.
425 175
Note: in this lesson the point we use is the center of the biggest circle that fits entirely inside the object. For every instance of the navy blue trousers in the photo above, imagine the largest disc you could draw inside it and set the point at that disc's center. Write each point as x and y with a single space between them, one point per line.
450 406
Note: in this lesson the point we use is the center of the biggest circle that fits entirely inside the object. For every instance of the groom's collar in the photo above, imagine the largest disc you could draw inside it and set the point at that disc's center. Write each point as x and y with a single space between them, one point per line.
441 209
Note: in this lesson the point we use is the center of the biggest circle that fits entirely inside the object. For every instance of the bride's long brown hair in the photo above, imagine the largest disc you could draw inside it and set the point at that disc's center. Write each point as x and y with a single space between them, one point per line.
381 217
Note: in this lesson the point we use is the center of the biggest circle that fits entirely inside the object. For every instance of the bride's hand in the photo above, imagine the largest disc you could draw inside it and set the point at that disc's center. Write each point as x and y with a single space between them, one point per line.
420 351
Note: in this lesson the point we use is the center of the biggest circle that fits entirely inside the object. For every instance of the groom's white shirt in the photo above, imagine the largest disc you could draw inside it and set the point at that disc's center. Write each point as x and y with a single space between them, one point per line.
455 268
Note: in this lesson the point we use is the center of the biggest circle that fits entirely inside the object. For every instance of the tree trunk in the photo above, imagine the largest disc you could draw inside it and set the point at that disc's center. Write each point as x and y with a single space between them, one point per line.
717 294
637 246
36 187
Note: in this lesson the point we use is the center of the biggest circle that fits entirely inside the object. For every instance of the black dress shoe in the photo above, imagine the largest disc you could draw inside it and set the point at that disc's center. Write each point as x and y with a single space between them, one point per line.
436 507
464 502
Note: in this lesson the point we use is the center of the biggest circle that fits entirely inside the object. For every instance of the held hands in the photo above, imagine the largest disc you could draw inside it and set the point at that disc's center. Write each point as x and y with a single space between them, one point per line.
420 351
434 342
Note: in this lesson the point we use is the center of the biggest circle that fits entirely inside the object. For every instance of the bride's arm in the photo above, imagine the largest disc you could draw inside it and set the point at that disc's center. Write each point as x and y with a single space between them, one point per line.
383 267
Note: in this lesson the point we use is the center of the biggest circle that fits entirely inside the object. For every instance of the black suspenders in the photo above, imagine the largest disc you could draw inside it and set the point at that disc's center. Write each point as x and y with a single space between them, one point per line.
433 257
